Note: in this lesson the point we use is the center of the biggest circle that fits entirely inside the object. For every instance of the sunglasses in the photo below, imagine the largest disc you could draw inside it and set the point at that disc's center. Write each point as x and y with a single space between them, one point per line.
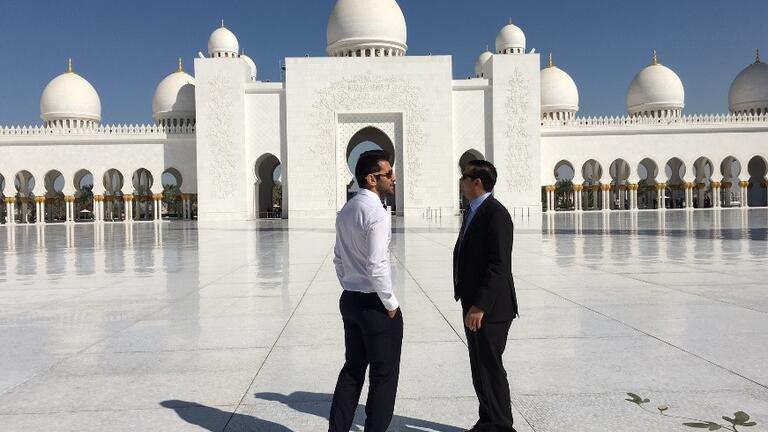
388 174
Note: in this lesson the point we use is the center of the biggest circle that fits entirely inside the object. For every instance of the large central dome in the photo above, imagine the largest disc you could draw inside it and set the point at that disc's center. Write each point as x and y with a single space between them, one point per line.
367 28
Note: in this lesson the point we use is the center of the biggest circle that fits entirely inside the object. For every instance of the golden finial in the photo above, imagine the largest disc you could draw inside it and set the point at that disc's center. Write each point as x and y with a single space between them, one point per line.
510 20
550 63
757 56
222 23
654 59
181 65
69 66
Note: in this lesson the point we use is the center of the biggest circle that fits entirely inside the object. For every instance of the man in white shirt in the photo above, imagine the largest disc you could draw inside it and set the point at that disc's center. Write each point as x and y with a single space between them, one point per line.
373 324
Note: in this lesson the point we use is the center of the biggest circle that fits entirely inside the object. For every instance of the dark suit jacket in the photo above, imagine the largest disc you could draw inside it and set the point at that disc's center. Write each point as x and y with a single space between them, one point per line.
482 263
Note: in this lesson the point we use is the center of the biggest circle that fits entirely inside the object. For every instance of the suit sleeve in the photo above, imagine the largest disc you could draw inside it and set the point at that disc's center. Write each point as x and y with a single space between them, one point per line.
499 244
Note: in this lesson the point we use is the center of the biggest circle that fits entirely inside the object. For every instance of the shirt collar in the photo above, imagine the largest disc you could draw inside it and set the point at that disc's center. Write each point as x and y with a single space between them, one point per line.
477 202
369 194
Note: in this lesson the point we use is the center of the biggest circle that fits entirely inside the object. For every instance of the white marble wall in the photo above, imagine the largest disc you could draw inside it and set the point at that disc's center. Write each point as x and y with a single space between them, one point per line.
517 130
264 131
223 169
320 90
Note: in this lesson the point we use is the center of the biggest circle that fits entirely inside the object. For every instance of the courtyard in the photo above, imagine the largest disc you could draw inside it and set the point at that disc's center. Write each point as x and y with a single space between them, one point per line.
235 327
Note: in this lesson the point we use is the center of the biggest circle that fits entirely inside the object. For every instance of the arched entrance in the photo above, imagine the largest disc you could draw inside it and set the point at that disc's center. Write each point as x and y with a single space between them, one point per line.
268 187
467 157
592 172
172 204
3 216
730 190
674 194
26 210
55 206
703 170
757 193
371 138
564 193
143 202
647 195
113 196
619 171
83 196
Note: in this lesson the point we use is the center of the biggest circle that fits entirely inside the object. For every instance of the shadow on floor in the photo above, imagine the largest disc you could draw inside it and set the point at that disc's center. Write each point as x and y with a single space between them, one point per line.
316 404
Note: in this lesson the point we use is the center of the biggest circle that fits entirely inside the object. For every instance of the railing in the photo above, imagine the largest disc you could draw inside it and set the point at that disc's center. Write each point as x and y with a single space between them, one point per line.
693 119
101 130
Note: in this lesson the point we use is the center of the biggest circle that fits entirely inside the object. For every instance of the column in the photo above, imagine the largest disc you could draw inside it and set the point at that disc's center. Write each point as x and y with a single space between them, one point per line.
744 187
11 210
605 190
97 214
39 209
689 195
69 200
8 213
661 195
715 194
128 202
577 191
158 200
550 198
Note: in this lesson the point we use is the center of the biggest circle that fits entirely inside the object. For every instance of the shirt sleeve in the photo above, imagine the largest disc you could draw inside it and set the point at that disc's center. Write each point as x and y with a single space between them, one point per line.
377 264
337 258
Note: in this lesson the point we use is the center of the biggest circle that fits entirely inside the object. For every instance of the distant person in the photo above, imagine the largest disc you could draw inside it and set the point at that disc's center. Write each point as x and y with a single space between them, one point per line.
482 276
373 324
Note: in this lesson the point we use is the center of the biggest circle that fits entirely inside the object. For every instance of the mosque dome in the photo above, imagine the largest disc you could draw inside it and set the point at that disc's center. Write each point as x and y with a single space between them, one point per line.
369 28
223 43
480 63
749 91
656 91
510 40
69 100
559 94
251 65
174 100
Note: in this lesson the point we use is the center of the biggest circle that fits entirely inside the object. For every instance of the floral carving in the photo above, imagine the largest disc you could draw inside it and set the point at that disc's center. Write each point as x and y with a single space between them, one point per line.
366 93
517 156
222 161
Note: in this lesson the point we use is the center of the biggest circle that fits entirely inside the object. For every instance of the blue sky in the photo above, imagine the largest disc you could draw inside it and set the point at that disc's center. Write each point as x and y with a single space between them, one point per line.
125 48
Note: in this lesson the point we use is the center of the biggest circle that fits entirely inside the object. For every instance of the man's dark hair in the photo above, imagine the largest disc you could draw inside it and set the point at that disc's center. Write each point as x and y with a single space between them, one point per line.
483 170
369 164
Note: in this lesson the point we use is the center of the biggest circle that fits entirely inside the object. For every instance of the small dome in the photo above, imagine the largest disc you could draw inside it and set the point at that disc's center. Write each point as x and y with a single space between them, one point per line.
656 91
251 65
223 43
375 25
175 98
70 100
510 40
749 91
480 63
559 94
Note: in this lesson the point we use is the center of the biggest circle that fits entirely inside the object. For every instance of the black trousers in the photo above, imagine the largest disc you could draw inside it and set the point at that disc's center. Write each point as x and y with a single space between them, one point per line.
372 339
489 377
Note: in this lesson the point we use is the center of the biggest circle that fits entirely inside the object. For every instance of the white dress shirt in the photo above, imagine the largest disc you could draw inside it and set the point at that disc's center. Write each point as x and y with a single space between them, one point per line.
361 254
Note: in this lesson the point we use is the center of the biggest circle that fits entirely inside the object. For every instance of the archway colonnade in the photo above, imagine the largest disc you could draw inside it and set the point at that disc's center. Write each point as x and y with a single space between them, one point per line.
89 200
657 184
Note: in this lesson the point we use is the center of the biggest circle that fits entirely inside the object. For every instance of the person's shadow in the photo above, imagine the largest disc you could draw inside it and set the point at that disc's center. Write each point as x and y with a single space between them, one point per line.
316 404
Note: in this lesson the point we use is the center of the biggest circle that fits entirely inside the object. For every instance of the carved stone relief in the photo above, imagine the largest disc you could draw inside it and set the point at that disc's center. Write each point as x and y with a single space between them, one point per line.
222 163
366 93
517 156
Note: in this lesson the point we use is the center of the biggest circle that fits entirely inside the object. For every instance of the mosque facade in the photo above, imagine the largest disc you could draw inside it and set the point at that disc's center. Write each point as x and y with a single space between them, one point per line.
225 146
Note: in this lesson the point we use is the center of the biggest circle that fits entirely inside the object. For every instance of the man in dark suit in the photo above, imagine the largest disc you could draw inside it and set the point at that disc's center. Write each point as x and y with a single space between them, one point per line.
482 275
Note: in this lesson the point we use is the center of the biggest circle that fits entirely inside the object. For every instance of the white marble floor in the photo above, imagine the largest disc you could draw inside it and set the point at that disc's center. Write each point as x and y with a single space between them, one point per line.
186 327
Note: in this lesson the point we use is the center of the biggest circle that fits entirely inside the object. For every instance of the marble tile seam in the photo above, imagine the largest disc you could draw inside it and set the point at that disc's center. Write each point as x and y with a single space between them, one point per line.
277 339
111 335
661 340
704 296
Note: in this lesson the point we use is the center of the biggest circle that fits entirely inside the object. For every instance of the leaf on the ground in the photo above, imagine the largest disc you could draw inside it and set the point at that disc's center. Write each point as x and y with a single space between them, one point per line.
749 424
741 417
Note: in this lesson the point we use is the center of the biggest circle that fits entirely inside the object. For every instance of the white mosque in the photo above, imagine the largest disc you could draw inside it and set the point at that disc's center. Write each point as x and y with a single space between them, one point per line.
224 146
